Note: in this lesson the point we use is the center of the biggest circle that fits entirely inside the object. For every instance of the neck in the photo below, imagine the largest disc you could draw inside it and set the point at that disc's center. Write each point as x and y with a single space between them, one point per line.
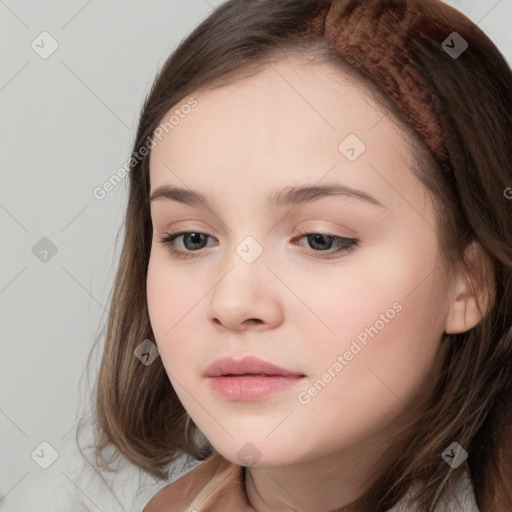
334 482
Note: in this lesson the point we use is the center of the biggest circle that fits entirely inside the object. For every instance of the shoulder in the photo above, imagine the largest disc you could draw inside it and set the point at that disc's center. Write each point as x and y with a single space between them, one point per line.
214 484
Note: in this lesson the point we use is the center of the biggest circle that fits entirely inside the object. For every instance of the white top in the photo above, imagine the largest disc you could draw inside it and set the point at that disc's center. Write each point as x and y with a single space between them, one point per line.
464 501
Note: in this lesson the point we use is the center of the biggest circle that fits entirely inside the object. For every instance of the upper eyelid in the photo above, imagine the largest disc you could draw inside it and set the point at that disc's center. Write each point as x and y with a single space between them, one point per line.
300 232
316 230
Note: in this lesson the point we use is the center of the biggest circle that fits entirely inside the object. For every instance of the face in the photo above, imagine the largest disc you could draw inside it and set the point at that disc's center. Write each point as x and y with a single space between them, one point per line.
345 290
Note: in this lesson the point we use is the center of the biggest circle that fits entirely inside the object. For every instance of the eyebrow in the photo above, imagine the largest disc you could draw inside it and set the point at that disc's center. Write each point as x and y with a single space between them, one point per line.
288 196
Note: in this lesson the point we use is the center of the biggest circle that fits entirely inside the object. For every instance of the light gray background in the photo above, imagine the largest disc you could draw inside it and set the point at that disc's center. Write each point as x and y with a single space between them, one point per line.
67 124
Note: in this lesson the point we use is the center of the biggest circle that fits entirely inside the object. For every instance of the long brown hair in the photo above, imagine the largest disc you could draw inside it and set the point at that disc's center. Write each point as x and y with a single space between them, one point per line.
458 112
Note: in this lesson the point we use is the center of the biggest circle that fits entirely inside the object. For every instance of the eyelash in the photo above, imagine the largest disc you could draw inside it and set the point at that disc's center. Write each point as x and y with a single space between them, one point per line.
351 243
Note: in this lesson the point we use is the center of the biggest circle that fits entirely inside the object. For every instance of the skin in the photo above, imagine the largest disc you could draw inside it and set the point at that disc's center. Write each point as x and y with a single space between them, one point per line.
291 307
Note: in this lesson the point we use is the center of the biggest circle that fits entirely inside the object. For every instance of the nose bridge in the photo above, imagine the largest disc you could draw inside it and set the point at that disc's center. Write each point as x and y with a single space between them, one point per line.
249 234
246 265
250 249
255 239
244 292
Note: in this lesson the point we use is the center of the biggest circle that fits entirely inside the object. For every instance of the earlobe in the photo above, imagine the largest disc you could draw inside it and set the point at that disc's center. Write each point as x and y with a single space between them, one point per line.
472 293
464 313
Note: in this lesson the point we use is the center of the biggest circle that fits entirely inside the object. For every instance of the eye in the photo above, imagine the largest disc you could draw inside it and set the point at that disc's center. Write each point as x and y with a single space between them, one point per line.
195 238
318 242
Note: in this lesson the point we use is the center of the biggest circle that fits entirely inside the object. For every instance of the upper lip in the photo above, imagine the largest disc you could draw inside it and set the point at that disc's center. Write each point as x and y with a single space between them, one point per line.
247 365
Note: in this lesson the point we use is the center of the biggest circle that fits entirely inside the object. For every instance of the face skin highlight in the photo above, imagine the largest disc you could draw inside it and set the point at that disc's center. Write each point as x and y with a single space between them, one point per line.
292 305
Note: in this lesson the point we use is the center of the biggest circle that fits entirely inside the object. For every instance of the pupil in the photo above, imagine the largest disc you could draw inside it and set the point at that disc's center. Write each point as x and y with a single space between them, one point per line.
318 239
193 238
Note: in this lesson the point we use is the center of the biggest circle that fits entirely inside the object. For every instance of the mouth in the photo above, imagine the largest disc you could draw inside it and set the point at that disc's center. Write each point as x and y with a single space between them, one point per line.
249 379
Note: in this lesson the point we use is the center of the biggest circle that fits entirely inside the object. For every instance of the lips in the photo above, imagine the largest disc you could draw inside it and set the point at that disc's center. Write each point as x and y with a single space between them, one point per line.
249 365
249 379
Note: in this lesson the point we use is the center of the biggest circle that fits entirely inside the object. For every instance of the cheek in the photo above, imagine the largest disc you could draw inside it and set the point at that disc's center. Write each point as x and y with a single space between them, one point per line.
158 296
341 302
391 330
169 299
385 364
389 302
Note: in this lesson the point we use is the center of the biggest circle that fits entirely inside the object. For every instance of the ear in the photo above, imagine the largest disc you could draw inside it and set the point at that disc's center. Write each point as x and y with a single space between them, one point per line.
473 291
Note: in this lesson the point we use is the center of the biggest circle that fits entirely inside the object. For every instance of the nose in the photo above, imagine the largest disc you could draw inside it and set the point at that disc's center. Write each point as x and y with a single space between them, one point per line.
248 295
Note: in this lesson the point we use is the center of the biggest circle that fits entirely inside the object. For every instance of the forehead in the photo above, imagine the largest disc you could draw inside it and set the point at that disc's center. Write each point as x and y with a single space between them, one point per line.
291 119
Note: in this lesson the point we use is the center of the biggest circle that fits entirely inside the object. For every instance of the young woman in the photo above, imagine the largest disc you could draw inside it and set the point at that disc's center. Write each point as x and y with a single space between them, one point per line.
315 293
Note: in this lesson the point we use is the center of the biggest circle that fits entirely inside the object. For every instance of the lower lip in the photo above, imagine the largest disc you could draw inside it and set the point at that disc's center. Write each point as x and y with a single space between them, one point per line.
247 388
